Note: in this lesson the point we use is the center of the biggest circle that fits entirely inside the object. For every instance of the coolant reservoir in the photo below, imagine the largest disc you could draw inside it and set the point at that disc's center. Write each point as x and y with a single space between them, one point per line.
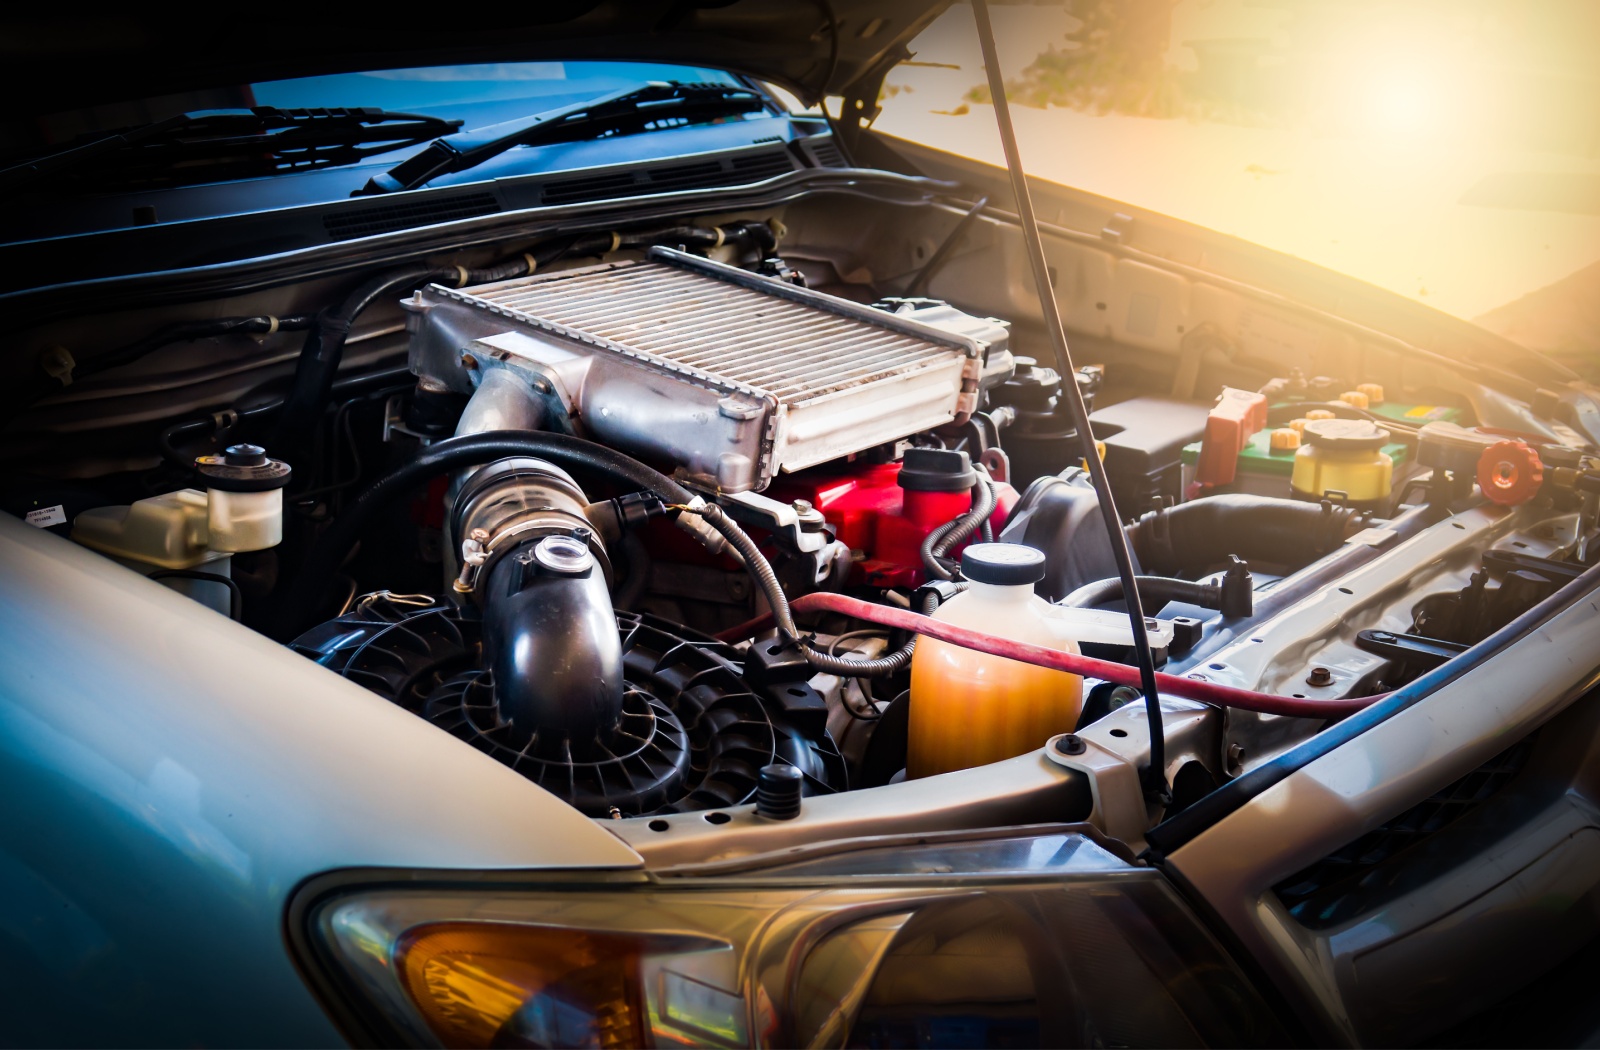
1343 455
969 708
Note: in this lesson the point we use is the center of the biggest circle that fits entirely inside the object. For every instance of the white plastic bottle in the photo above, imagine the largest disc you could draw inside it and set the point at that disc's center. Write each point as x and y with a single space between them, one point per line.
970 708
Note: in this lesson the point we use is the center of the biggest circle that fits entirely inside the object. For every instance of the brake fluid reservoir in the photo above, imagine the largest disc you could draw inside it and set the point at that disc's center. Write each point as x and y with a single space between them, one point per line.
1343 455
244 492
970 708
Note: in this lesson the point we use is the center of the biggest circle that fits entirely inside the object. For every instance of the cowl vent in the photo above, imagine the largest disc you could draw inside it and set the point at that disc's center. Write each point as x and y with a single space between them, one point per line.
669 178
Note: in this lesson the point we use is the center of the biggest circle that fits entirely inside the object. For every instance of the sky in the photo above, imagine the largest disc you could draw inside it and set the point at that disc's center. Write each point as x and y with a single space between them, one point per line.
1447 150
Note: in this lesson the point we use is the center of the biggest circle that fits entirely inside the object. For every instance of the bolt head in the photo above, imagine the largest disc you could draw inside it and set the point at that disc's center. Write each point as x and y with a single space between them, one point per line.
1071 744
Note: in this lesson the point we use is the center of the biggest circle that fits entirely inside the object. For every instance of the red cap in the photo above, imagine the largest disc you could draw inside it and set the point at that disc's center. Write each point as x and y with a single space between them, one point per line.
1509 472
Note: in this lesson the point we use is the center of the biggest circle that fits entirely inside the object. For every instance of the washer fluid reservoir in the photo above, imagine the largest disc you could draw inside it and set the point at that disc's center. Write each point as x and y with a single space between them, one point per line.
970 708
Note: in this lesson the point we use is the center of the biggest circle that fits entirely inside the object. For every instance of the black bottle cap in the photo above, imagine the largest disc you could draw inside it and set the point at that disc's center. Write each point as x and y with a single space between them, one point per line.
778 789
1003 564
936 470
244 455
242 468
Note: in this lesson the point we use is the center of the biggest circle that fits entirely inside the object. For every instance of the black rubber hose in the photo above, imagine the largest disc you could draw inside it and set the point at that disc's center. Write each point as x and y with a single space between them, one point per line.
948 535
569 453
1154 591
324 349
1195 537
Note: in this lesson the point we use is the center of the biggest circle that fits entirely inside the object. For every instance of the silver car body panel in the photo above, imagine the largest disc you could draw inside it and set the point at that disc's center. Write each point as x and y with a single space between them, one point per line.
1536 884
169 777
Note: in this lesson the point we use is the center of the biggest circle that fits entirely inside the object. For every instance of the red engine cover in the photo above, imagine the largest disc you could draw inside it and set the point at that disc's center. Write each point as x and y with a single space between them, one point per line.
883 524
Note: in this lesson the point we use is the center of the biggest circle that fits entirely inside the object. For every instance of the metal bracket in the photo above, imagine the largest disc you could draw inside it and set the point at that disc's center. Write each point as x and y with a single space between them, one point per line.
1411 649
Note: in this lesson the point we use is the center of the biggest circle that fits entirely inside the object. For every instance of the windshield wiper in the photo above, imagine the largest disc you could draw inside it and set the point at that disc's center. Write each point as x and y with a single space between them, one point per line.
220 145
655 106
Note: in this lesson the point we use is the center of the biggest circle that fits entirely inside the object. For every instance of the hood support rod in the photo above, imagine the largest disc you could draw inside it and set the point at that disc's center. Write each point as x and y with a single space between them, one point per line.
1154 775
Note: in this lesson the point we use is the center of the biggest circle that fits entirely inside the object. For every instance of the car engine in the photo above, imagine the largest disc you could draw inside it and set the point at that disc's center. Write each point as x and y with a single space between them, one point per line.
605 523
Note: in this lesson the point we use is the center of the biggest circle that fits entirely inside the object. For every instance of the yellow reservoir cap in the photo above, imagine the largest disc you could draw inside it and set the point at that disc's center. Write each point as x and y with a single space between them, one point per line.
1354 398
1343 455
1374 392
1319 413
1286 439
1298 425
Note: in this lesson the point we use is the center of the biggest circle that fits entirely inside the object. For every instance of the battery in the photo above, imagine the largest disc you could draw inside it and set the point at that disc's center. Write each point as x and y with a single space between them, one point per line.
1265 472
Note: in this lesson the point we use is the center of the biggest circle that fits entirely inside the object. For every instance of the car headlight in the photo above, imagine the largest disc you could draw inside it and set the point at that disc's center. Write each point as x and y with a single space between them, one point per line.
1040 937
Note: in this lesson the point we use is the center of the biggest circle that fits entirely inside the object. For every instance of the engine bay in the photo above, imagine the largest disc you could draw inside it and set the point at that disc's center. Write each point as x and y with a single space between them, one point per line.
654 517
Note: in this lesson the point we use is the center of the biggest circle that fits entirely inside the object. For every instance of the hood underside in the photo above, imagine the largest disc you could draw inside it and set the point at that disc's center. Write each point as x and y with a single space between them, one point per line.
815 48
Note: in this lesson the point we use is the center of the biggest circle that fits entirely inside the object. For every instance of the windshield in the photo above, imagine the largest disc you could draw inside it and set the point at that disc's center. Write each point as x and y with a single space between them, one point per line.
476 95
1445 150
480 94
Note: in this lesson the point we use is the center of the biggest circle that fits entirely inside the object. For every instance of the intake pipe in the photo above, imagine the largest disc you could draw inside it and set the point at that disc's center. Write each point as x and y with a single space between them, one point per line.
1198 536
539 573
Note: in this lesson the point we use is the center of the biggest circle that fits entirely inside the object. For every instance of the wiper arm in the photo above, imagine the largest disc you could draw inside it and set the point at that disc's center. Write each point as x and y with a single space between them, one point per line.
235 144
655 106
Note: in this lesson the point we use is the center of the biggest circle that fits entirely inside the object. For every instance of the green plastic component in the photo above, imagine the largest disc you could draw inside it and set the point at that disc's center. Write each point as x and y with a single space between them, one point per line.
1416 415
1258 457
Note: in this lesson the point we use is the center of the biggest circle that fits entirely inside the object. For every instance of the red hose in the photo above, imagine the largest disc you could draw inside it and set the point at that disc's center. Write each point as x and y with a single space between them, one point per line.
1087 666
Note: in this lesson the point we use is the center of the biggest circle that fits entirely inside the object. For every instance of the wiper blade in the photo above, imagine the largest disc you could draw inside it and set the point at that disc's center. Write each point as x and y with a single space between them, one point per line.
219 145
656 106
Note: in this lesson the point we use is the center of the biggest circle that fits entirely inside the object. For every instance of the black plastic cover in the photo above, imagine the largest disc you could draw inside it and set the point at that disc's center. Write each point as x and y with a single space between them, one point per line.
693 735
1144 438
1002 564
1060 515
936 470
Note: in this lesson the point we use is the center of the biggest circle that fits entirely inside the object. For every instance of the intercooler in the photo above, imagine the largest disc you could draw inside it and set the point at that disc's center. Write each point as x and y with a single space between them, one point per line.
727 374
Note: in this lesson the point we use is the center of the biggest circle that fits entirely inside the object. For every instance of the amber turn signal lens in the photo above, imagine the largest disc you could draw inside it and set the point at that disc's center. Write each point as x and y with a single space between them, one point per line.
492 985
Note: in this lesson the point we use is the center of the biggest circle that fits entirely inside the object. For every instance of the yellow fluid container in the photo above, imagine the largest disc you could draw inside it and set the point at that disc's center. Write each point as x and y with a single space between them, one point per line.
970 708
1343 455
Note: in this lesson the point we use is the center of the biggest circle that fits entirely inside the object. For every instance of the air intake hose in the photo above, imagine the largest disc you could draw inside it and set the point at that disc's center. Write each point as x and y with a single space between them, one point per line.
1197 536
550 640
539 574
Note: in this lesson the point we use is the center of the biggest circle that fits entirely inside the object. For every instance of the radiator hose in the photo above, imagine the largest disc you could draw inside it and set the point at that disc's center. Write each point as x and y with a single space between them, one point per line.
1234 594
1194 537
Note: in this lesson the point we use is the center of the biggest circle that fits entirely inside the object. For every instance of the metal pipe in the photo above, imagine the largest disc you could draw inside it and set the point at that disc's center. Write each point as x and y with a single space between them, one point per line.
1155 781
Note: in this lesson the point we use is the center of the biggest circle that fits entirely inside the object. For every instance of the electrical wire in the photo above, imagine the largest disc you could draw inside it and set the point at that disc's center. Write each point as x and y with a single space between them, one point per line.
1155 779
865 684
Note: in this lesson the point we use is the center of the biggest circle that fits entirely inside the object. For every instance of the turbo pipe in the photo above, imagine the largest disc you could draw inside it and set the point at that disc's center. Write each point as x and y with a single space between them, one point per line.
1075 663
1260 529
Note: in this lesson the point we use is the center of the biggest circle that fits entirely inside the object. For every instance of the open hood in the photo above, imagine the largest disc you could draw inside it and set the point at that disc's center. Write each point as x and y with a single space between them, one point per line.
55 61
